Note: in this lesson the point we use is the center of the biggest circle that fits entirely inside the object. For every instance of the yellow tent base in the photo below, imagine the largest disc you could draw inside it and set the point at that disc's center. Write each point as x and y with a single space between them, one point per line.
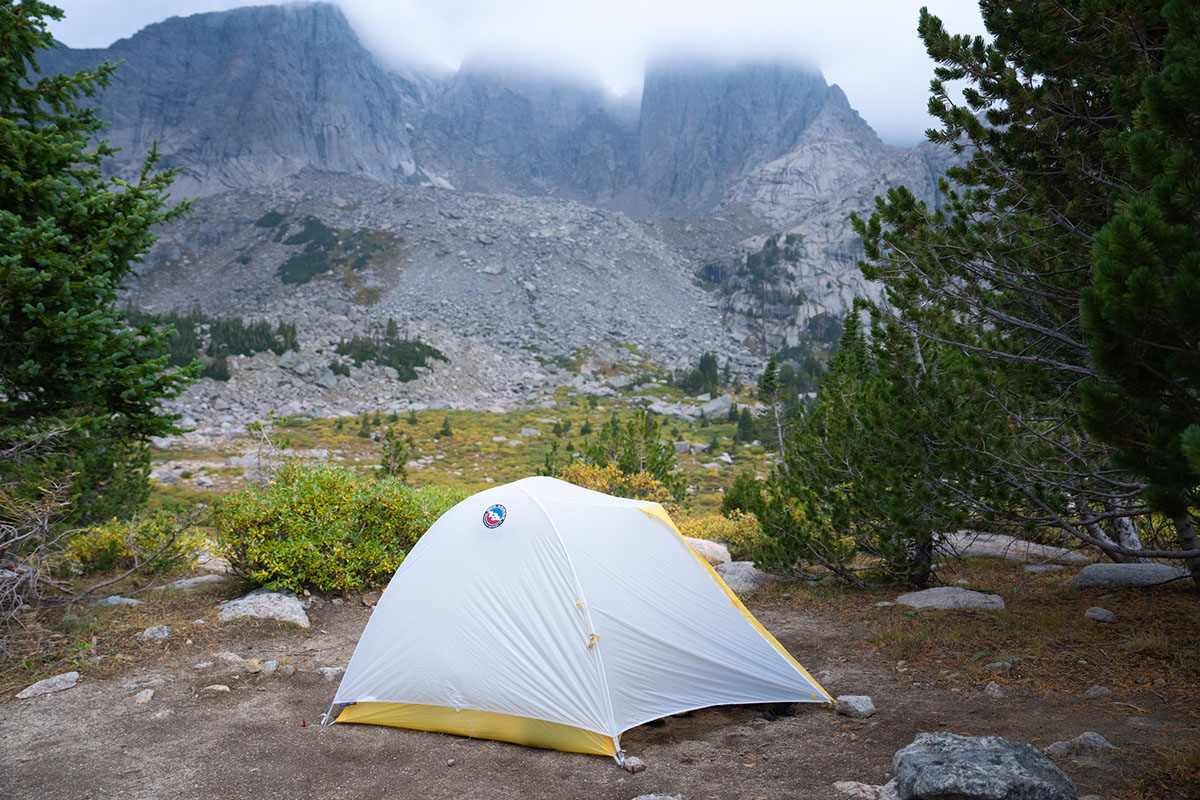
481 725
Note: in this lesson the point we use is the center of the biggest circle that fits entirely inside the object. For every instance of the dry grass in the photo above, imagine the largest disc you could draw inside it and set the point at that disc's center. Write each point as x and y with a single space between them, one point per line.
1153 648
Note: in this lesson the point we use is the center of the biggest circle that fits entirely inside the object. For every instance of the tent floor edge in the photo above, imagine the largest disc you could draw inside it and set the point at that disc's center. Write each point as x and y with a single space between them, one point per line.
482 725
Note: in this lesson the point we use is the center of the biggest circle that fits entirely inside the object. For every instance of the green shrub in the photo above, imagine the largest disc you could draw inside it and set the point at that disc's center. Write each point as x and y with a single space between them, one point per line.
325 529
740 531
269 219
113 544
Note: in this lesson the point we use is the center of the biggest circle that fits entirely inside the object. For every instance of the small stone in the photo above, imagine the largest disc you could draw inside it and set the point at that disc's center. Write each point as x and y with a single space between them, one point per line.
858 706
163 713
282 606
58 683
331 673
252 666
1097 692
1044 567
1090 740
155 633
450 762
117 600
994 690
202 665
287 669
633 764
950 597
216 688
229 658
269 667
198 622
143 697
881 604
1100 614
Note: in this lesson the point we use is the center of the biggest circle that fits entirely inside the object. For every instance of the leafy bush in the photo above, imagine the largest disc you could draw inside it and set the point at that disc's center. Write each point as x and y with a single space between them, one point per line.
611 480
325 529
740 531
117 543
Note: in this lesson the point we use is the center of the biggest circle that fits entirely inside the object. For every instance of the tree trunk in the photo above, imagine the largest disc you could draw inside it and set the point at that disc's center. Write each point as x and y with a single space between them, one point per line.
1185 529
1126 530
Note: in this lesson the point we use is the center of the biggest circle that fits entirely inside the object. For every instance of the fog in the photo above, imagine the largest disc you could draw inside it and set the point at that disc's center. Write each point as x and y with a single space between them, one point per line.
868 47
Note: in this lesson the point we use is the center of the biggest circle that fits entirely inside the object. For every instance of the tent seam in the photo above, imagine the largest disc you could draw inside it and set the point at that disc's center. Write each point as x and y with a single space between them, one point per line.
612 717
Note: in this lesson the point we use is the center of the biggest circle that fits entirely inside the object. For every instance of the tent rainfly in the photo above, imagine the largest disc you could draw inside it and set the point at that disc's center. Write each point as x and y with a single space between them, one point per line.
549 615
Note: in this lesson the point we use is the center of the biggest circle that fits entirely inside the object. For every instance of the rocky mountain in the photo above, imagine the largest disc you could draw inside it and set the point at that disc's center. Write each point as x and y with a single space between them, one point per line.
250 96
507 214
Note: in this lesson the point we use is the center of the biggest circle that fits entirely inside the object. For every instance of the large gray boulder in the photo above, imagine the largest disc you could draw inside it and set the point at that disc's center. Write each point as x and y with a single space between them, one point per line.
946 766
743 576
972 544
950 597
283 606
718 408
1126 575
712 552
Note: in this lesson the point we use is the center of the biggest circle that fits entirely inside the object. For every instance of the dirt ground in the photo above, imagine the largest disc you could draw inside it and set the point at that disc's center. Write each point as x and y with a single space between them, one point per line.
262 739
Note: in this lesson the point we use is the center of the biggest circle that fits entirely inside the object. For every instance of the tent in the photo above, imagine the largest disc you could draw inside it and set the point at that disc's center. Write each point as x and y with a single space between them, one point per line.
546 614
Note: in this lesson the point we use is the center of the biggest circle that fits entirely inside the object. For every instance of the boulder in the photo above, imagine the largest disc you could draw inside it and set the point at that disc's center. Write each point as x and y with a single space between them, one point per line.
950 597
64 680
712 552
1088 740
946 766
718 408
1096 692
743 576
187 584
970 544
283 606
855 790
858 706
1126 575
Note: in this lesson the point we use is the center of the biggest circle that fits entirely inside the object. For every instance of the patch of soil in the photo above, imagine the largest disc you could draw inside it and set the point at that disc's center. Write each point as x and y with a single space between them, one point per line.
262 738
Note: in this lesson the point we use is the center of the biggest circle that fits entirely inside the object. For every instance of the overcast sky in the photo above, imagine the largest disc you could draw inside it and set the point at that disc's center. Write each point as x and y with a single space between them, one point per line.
868 47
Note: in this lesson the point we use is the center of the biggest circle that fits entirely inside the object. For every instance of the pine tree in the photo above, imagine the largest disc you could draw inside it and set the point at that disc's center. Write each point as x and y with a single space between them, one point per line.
73 370
1142 311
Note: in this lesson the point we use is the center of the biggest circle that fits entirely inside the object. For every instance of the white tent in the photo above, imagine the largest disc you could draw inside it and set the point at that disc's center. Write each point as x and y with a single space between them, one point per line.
542 613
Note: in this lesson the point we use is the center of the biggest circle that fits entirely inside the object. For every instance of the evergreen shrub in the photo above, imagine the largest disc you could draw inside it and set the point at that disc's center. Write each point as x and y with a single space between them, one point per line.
113 544
325 529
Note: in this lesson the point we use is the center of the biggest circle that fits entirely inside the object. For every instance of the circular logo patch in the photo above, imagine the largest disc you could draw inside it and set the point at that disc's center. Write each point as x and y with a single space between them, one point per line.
494 517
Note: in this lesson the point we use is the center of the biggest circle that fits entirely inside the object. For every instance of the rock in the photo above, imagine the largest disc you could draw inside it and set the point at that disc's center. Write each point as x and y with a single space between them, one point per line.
1126 575
994 690
268 667
884 604
204 481
1100 614
216 688
264 603
331 673
743 576
950 597
202 665
660 797
526 432
946 766
621 381
1088 740
450 762
858 706
155 633
633 764
682 447
143 697
718 408
970 544
187 584
117 600
58 683
1044 567
866 791
287 669
725 458
252 666
1097 692
163 713
712 552
230 658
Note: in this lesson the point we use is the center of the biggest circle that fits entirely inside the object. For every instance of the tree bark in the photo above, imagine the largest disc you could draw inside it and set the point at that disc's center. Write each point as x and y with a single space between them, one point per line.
1185 529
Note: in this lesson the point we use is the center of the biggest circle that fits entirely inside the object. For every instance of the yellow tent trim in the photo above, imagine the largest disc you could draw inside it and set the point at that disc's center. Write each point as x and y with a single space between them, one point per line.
656 511
481 725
